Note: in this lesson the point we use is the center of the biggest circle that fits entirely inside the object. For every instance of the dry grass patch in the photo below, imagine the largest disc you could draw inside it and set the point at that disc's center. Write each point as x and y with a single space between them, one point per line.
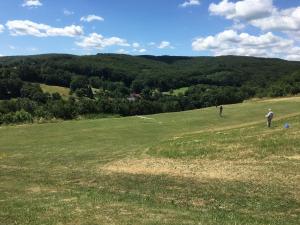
293 157
8 167
241 170
296 99
39 189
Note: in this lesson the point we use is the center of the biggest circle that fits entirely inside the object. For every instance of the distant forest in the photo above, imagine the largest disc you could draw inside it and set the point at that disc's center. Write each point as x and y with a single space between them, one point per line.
113 84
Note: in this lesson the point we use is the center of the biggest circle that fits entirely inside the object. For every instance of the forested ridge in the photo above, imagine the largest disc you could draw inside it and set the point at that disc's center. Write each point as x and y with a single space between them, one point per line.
135 85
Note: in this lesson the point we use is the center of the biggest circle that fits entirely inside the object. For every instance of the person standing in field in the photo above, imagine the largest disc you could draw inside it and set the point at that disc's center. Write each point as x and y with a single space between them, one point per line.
221 110
269 117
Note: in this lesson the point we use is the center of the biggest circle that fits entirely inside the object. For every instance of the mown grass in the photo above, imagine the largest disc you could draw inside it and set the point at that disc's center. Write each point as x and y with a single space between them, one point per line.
177 91
177 168
63 91
254 141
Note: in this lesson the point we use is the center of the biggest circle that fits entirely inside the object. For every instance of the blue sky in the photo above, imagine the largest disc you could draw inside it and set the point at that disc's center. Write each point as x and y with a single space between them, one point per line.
266 28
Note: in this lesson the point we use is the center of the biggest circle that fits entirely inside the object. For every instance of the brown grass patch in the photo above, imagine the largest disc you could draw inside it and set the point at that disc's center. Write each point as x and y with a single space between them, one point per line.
293 157
297 98
247 170
7 167
39 189
73 199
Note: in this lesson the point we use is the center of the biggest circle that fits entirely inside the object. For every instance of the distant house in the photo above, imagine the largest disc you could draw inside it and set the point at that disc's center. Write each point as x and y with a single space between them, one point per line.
133 97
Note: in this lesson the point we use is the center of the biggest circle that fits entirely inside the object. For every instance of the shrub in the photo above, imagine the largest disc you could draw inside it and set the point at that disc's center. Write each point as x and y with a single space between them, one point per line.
18 117
23 117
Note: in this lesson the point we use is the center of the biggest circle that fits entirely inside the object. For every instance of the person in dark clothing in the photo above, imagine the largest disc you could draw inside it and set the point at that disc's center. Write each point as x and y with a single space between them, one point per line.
221 110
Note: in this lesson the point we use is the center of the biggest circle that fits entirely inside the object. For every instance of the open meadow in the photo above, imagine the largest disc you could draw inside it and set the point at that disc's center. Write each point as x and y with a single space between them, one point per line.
63 91
190 167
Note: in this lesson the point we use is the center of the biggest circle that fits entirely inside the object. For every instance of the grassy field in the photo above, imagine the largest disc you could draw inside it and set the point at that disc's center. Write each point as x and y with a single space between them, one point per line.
63 91
190 167
177 91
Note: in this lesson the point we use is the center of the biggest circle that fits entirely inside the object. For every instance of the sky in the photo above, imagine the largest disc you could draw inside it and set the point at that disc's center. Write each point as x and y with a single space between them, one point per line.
262 28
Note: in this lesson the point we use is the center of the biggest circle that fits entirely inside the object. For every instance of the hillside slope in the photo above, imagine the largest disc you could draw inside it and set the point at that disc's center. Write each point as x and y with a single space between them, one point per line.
152 70
191 167
134 85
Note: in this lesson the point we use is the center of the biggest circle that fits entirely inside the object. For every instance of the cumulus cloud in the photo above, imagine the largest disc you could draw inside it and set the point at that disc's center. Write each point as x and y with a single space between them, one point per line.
283 20
238 26
164 44
138 48
27 27
259 13
97 41
91 18
245 9
188 3
32 3
1 28
294 54
293 57
142 50
224 8
229 42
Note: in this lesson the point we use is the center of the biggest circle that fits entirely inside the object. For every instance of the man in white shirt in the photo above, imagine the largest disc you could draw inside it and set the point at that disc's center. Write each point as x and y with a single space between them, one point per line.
269 117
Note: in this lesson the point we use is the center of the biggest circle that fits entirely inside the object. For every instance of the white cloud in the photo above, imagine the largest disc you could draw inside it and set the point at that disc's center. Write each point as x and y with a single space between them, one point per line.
151 43
238 26
260 13
229 42
97 41
68 12
91 18
32 3
1 28
142 50
188 3
293 57
283 20
295 35
138 48
136 45
27 27
122 51
164 44
294 54
224 8
244 9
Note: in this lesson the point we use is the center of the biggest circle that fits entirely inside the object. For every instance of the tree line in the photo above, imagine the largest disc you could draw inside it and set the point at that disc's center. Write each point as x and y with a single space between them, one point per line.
105 84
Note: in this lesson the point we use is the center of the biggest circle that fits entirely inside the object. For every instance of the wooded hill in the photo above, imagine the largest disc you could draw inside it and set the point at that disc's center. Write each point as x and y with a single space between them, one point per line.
106 82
